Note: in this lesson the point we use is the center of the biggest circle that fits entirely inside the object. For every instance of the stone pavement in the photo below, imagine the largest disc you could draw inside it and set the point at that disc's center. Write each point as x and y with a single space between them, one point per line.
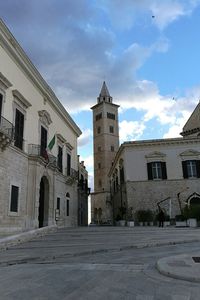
181 266
103 263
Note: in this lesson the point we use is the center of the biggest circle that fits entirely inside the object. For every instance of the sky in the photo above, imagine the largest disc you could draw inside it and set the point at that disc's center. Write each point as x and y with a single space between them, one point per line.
147 51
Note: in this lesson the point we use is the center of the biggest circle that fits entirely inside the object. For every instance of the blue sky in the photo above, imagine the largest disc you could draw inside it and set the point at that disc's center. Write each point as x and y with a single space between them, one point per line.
147 51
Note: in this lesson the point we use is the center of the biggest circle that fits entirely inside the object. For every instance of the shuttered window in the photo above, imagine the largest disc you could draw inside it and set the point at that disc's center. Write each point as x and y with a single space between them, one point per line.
19 129
60 158
191 168
14 198
43 141
68 164
156 170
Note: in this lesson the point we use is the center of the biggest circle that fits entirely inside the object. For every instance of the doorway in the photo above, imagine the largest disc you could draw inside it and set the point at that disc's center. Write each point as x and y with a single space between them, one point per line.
43 212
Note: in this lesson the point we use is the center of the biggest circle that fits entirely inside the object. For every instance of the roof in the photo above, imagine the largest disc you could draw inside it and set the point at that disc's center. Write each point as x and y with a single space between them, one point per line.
104 91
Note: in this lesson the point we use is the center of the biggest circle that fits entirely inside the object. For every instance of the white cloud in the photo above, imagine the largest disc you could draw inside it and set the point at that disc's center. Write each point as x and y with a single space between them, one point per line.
88 162
164 11
85 137
131 130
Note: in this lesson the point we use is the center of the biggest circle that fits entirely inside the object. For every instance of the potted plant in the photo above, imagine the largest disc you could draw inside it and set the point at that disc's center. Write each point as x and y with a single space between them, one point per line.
130 221
149 217
180 221
122 221
167 221
194 215
141 216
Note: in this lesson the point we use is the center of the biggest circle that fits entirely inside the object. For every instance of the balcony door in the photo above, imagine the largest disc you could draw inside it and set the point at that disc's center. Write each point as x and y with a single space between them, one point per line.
43 141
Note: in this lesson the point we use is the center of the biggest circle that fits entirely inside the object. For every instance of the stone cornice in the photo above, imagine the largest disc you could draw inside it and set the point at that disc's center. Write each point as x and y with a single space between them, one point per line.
191 131
156 142
69 146
9 43
101 103
21 98
4 81
60 138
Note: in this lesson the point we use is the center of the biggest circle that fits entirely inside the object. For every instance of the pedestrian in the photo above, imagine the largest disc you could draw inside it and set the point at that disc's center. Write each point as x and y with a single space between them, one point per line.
161 218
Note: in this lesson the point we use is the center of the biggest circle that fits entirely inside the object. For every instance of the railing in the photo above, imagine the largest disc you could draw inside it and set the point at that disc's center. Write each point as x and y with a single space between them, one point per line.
6 127
37 150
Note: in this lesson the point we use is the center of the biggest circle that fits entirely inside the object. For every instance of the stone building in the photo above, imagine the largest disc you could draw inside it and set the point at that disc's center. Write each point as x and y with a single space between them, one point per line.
151 173
83 193
38 186
106 145
142 175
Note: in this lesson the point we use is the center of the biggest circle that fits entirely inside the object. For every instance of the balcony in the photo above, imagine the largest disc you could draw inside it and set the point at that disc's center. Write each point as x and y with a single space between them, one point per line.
38 151
6 133
72 175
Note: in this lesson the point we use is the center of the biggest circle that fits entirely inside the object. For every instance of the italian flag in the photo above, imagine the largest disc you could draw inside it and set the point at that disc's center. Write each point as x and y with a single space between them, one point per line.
51 143
50 147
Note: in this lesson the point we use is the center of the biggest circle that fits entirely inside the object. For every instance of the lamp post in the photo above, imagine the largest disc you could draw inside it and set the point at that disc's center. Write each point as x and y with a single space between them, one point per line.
178 198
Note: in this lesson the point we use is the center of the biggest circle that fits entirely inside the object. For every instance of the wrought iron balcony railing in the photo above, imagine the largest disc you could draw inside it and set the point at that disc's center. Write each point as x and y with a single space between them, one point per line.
6 128
37 150
72 175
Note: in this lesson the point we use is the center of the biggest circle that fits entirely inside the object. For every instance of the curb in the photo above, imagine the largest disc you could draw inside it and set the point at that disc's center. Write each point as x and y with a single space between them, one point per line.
179 267
25 236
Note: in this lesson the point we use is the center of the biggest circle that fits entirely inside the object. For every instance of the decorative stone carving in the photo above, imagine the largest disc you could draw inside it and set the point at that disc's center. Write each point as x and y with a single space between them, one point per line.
45 117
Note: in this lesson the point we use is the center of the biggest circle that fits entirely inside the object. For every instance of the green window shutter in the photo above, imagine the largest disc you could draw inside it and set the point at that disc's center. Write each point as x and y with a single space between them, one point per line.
149 171
198 168
184 167
164 170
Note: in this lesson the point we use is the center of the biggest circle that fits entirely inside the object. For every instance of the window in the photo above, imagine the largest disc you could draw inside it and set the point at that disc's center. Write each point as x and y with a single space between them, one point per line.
191 168
14 198
111 129
99 149
99 129
67 208
19 129
157 170
59 157
99 165
112 148
68 164
98 117
100 183
43 142
58 204
110 116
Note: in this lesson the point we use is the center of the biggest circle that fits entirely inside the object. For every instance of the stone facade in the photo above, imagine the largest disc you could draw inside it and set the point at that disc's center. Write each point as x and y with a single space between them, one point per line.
83 192
38 184
139 190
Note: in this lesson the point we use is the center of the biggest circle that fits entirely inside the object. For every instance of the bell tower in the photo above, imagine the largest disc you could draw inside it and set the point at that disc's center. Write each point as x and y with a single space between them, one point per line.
105 146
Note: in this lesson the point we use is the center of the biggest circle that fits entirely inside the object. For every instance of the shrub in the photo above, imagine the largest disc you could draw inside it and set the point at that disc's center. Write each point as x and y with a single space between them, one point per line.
144 215
180 218
195 212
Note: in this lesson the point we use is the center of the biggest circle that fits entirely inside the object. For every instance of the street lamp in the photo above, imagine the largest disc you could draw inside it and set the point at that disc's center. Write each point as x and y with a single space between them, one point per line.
178 198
